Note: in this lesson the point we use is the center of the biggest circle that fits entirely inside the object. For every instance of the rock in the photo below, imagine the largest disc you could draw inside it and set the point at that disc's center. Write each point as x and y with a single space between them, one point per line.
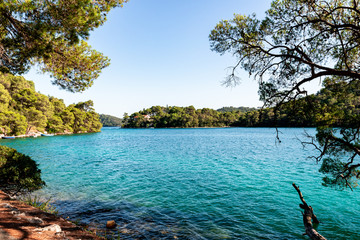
6 205
18 213
110 224
52 228
125 231
13 210
60 234
35 220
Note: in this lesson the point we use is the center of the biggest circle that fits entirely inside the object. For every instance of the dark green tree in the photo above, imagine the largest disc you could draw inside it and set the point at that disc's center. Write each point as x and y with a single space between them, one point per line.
5 98
179 117
18 172
68 119
55 124
52 34
12 123
58 104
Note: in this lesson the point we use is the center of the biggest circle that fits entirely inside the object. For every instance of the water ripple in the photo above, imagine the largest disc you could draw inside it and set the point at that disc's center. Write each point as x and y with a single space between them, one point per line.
232 183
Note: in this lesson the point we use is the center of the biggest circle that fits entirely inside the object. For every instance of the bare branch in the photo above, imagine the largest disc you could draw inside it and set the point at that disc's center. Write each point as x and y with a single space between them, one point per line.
308 217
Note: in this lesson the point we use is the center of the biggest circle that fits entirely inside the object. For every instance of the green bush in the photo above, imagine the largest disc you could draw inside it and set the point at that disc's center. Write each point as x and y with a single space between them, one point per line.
36 201
18 172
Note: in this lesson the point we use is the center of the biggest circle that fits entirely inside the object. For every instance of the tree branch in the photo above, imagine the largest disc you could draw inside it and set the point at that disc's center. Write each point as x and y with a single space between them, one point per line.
308 218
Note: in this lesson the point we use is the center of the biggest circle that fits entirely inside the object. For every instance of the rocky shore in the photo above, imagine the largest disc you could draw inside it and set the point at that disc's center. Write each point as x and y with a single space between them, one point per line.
35 134
19 221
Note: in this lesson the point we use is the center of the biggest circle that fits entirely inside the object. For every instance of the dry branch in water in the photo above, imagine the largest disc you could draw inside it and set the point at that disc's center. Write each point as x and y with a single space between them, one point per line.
308 218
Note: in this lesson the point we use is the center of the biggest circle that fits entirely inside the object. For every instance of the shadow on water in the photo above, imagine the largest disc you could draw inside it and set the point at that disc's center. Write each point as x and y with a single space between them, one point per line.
139 222
133 222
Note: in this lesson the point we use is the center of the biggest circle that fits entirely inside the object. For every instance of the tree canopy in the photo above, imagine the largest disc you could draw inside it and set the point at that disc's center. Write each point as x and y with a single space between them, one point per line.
52 34
233 109
23 110
18 172
301 41
179 117
297 42
336 104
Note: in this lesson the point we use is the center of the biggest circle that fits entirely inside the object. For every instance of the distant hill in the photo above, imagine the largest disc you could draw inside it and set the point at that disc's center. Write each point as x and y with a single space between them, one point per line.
110 121
235 109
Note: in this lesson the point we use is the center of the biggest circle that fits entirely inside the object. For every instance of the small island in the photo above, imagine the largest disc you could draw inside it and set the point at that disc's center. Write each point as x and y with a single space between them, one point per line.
303 112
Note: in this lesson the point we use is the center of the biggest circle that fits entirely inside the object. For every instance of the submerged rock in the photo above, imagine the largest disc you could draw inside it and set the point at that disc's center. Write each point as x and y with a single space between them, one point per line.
110 224
125 231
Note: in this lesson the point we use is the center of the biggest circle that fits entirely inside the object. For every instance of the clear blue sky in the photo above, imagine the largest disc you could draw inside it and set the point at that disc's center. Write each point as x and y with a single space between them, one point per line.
160 55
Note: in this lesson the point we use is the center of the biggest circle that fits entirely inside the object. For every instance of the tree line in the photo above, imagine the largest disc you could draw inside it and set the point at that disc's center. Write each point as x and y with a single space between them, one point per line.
179 117
335 105
23 110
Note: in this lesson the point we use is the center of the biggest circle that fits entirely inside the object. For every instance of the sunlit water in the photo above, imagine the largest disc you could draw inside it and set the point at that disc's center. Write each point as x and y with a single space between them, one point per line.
232 183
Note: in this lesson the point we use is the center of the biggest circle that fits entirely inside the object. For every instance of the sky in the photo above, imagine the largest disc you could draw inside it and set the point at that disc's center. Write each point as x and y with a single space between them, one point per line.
160 55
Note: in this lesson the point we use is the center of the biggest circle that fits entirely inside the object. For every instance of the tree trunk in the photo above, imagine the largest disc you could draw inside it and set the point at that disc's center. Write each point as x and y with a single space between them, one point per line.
308 218
28 129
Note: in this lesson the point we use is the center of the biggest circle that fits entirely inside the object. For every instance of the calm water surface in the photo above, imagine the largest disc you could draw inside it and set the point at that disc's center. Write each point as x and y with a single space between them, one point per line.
232 183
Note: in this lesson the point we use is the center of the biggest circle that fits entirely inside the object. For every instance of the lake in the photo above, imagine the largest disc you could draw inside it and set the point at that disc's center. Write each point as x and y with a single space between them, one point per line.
216 183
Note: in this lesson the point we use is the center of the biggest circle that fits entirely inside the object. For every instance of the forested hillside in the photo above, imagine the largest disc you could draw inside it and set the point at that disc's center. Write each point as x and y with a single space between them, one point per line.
182 117
336 104
23 110
110 121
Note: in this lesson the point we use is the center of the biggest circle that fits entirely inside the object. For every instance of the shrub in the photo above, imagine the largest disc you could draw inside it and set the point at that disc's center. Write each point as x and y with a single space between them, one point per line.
18 172
36 201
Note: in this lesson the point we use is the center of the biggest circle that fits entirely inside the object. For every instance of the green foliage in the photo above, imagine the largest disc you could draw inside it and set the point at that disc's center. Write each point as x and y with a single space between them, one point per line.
179 117
18 172
35 118
5 98
326 108
301 41
12 123
23 110
297 42
110 121
55 124
38 202
331 167
68 119
52 35
234 109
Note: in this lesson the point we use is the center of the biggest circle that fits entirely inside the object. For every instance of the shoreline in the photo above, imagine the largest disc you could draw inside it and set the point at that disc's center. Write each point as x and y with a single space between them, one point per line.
21 221
35 135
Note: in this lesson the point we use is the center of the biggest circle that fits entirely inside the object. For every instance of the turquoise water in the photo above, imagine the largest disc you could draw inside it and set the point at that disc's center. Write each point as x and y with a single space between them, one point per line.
228 183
